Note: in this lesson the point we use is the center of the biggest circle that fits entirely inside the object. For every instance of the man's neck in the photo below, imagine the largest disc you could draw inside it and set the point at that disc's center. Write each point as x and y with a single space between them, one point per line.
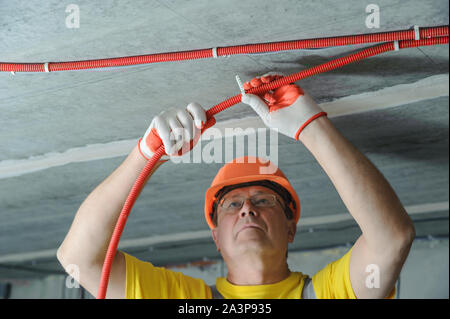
257 271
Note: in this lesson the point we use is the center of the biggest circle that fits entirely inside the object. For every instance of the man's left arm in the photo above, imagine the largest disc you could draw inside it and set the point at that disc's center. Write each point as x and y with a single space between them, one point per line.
387 230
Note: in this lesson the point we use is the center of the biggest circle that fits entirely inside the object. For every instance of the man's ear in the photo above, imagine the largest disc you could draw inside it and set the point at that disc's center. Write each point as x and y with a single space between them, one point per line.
215 237
292 230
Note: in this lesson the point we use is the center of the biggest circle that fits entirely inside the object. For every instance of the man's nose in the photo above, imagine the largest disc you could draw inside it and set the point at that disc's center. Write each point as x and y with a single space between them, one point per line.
248 209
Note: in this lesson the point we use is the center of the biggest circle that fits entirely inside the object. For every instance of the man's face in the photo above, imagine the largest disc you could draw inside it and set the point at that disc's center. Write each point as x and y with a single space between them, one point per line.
252 229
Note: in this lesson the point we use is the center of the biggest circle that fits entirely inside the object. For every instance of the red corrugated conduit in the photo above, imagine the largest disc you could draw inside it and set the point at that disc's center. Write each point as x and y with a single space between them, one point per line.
422 33
433 36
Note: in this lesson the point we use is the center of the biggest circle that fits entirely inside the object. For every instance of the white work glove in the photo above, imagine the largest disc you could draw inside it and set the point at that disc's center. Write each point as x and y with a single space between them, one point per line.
177 129
288 109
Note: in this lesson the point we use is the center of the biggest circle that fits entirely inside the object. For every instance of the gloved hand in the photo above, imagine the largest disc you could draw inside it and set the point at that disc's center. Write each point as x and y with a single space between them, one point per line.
177 129
289 109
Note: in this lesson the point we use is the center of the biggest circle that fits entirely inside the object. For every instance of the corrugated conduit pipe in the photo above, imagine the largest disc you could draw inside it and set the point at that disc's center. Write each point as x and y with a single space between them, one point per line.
413 34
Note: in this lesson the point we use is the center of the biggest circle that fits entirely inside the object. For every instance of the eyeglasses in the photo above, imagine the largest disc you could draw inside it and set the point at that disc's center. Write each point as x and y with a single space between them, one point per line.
235 203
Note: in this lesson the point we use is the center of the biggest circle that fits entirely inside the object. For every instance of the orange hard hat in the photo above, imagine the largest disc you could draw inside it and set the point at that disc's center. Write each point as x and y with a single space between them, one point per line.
243 170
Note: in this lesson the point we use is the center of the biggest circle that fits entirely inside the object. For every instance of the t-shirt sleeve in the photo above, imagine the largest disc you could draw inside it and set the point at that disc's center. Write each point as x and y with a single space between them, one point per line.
145 281
333 281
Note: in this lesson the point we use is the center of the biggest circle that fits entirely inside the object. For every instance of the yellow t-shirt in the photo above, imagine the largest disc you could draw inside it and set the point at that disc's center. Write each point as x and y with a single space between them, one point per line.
145 281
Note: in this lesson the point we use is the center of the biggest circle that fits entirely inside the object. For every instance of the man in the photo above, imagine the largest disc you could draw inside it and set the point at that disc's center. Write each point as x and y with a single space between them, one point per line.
252 213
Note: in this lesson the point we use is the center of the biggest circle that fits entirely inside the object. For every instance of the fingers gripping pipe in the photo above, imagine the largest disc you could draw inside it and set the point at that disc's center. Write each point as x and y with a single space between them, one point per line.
232 101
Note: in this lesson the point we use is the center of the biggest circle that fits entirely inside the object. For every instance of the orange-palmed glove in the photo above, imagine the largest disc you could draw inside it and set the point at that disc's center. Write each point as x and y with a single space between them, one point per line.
288 109
177 129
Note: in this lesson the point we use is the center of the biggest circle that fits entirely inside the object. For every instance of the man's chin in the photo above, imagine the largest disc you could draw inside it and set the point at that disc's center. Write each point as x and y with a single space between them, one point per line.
251 242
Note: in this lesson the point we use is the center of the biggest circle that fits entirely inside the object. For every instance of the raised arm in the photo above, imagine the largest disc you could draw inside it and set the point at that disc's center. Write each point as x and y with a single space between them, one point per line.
88 239
387 230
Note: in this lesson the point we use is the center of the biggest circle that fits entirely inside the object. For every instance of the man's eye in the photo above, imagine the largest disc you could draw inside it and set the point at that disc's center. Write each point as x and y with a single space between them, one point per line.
234 204
261 201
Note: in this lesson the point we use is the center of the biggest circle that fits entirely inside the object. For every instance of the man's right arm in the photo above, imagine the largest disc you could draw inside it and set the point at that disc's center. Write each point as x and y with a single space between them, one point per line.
88 239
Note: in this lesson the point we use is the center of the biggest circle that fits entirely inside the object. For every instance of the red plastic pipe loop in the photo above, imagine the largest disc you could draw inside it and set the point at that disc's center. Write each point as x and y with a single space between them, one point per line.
135 191
430 32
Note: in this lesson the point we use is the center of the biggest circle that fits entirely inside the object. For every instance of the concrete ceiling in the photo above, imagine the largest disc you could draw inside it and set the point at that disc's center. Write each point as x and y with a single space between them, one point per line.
98 115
